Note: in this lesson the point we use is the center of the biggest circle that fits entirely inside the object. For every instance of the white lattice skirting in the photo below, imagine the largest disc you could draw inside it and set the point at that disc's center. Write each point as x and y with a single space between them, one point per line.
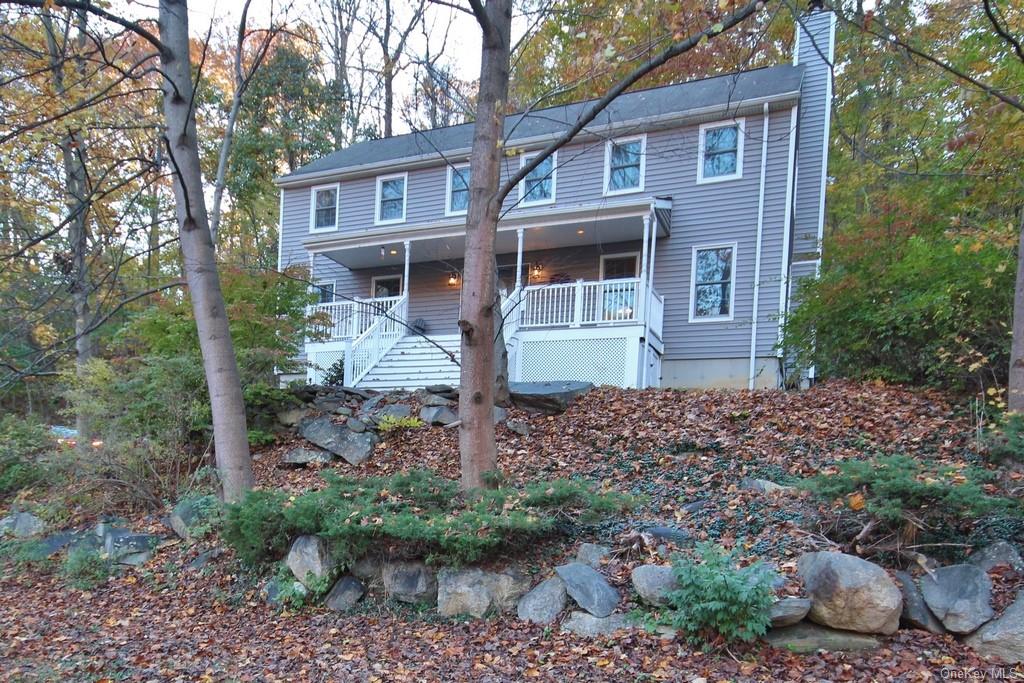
320 364
601 361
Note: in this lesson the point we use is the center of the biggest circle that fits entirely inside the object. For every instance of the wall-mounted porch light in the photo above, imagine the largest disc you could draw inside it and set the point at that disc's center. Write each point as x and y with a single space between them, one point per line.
536 270
580 231
453 279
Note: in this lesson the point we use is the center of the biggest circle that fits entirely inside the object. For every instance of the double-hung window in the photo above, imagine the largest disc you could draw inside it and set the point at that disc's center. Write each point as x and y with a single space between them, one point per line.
712 289
624 165
458 190
538 187
391 194
324 215
720 156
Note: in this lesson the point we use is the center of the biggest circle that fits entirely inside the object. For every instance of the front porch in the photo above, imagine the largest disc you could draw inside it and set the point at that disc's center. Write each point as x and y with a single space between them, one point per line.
577 304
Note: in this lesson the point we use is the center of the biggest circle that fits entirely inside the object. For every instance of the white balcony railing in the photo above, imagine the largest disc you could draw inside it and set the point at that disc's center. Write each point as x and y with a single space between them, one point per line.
349 319
580 303
362 353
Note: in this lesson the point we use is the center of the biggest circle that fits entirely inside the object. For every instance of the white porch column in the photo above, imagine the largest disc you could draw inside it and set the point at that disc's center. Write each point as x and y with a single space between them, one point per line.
312 277
519 259
641 294
405 273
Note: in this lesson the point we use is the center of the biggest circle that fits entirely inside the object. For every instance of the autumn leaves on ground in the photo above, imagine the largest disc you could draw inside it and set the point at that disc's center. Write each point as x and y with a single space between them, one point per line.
164 621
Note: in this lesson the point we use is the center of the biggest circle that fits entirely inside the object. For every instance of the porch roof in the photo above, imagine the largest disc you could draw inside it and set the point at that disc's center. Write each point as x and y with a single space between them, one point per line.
441 241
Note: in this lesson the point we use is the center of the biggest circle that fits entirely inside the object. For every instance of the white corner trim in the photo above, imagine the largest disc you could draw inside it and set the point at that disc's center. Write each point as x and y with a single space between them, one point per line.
404 175
523 159
787 227
605 190
312 206
693 284
757 250
280 230
448 191
741 127
827 123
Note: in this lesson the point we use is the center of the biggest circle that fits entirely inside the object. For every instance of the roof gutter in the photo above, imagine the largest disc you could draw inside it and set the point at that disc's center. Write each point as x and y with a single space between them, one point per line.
661 120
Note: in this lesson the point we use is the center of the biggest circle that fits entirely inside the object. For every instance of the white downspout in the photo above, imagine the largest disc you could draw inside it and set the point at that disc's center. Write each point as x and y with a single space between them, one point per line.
757 251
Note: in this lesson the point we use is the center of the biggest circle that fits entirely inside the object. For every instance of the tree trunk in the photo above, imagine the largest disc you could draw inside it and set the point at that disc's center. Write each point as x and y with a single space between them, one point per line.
477 449
389 97
1015 393
222 379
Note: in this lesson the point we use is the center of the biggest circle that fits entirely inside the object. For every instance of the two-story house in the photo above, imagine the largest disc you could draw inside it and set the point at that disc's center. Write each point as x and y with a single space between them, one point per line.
659 248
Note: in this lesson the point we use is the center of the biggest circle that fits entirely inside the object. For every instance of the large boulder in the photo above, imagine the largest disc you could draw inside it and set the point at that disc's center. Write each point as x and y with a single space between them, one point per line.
592 554
959 595
789 611
310 560
652 583
1003 637
999 553
550 398
849 593
292 416
124 546
588 588
22 525
338 439
583 624
345 593
807 638
544 603
412 582
477 593
438 415
915 612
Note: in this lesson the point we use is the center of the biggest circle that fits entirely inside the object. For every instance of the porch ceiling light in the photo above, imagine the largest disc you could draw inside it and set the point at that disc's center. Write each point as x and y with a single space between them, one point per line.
394 252
580 231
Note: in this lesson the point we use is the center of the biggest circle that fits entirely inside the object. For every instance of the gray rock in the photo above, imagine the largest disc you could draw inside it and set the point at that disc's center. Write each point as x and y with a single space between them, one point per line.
764 486
305 456
345 594
356 425
592 554
588 588
344 411
292 416
550 398
438 415
53 544
520 427
310 560
695 506
412 582
652 583
395 410
22 525
849 593
435 401
204 558
915 612
1003 637
272 590
789 611
477 593
583 624
368 568
544 603
370 404
439 389
127 547
668 533
358 393
807 638
353 448
500 415
959 595
1000 552
190 513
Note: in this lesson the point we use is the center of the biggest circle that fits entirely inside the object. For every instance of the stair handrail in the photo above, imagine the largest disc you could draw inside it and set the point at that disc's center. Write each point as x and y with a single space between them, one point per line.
511 313
368 348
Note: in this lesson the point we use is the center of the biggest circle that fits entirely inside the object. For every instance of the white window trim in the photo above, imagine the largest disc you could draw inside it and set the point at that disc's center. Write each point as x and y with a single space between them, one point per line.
741 126
334 289
448 192
693 284
636 271
608 164
405 198
373 283
523 160
312 206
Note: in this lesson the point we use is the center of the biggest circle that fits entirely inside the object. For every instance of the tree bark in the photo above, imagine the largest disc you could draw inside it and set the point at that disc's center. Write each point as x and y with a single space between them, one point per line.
477 449
1015 392
231 440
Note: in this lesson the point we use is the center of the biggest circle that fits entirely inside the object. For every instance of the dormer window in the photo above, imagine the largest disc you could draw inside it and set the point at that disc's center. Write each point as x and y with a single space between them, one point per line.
458 190
538 187
324 215
624 165
720 154
391 193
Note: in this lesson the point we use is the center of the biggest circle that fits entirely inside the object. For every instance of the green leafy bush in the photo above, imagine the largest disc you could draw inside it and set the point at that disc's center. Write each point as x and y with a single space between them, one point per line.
716 598
23 443
414 513
86 568
390 423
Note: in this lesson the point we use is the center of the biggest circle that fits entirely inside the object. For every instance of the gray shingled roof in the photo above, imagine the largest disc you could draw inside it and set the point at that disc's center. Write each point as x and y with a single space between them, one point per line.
652 102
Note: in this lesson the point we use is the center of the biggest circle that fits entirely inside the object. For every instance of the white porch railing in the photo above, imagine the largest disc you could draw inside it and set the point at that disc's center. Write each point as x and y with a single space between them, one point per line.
349 319
511 313
380 337
581 303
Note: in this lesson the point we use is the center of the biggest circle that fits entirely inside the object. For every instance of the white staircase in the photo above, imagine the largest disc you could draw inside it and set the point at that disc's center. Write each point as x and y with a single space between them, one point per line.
415 362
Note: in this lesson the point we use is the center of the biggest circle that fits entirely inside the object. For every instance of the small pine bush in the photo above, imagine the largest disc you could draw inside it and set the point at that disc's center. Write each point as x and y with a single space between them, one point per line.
715 598
1005 441
390 423
416 513
23 443
85 568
